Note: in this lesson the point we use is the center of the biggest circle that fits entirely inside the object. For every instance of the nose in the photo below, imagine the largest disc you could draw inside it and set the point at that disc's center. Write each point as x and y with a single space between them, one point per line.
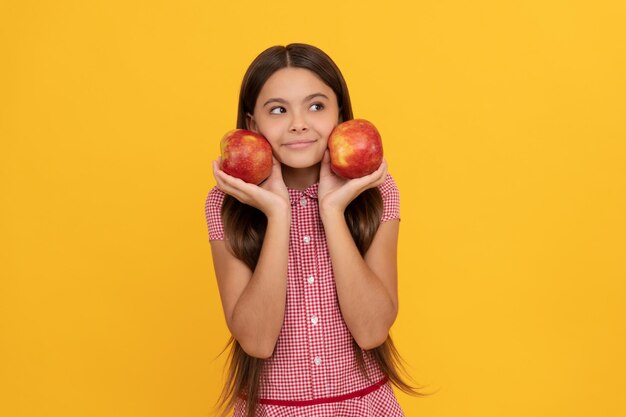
297 129
298 124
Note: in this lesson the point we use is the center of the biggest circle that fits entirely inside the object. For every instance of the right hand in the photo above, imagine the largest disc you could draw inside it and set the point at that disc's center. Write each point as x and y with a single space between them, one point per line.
271 196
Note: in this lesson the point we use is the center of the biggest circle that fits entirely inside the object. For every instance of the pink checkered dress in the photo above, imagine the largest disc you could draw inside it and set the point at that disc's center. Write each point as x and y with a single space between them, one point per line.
313 371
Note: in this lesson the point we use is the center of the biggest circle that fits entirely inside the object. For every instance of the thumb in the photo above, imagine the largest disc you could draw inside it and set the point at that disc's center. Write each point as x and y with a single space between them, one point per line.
276 167
277 171
325 168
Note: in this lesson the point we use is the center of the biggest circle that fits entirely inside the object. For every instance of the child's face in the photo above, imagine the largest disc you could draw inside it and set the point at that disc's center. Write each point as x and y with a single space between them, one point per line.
295 111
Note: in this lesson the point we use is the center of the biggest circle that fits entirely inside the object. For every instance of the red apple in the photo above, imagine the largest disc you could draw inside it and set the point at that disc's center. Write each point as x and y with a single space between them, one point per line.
246 155
355 148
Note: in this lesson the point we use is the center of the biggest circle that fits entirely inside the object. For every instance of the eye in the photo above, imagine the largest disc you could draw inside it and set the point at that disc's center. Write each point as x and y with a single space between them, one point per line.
278 110
317 106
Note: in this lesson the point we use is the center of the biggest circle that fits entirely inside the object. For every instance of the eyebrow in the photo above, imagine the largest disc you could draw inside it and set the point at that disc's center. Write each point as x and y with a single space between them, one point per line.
282 100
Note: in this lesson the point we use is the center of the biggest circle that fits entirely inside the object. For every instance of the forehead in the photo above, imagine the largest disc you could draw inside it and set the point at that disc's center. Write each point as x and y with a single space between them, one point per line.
293 84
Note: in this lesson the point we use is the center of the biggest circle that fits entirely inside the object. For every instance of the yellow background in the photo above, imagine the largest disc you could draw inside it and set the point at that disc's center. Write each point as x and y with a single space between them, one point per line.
503 124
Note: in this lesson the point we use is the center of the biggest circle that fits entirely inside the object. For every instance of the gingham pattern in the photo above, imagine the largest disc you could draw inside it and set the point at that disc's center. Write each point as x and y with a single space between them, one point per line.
313 357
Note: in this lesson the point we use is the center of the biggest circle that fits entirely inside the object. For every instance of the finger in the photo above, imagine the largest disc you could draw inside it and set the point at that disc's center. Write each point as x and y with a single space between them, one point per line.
325 167
276 167
380 173
216 169
372 180
227 183
220 177
236 187
383 171
236 183
275 174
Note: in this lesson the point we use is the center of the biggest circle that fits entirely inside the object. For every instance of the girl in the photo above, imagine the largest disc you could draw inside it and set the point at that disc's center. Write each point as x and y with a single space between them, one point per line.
306 261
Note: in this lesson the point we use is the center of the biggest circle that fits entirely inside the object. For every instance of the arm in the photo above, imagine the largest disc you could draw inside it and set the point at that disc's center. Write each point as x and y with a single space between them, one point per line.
366 286
254 301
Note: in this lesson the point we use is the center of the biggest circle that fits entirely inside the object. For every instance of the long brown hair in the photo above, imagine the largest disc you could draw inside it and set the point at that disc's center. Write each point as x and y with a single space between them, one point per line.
245 226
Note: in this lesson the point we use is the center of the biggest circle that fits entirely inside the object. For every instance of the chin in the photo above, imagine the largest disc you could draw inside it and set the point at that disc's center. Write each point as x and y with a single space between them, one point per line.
302 160
300 164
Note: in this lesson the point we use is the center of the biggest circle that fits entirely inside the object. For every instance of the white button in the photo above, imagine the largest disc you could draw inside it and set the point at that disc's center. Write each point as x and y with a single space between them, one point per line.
314 320
310 279
317 360
303 201
307 239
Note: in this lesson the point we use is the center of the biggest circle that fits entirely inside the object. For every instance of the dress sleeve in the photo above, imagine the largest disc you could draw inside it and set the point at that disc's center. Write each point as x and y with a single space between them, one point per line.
391 199
213 213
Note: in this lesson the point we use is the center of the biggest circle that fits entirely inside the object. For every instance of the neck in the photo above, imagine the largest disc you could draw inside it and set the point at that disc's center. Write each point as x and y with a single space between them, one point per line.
301 178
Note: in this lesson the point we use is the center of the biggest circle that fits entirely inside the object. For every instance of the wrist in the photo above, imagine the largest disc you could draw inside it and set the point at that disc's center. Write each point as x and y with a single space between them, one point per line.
280 212
330 214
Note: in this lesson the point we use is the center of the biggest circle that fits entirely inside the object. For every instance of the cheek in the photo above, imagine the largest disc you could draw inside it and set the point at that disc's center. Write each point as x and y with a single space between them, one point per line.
268 129
273 134
329 127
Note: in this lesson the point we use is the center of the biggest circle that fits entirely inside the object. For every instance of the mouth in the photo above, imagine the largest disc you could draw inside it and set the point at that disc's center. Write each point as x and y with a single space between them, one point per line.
299 144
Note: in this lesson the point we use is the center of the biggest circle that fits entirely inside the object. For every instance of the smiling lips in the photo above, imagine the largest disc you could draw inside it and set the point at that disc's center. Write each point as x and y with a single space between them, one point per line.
299 144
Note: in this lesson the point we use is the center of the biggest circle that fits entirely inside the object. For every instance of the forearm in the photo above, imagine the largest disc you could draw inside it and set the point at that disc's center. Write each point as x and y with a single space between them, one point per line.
366 306
258 315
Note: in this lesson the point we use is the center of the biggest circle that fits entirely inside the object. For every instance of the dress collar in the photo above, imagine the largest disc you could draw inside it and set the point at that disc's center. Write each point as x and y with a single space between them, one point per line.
296 195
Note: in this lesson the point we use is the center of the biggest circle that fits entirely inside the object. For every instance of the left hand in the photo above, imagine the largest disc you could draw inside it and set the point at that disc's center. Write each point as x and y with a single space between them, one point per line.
335 192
